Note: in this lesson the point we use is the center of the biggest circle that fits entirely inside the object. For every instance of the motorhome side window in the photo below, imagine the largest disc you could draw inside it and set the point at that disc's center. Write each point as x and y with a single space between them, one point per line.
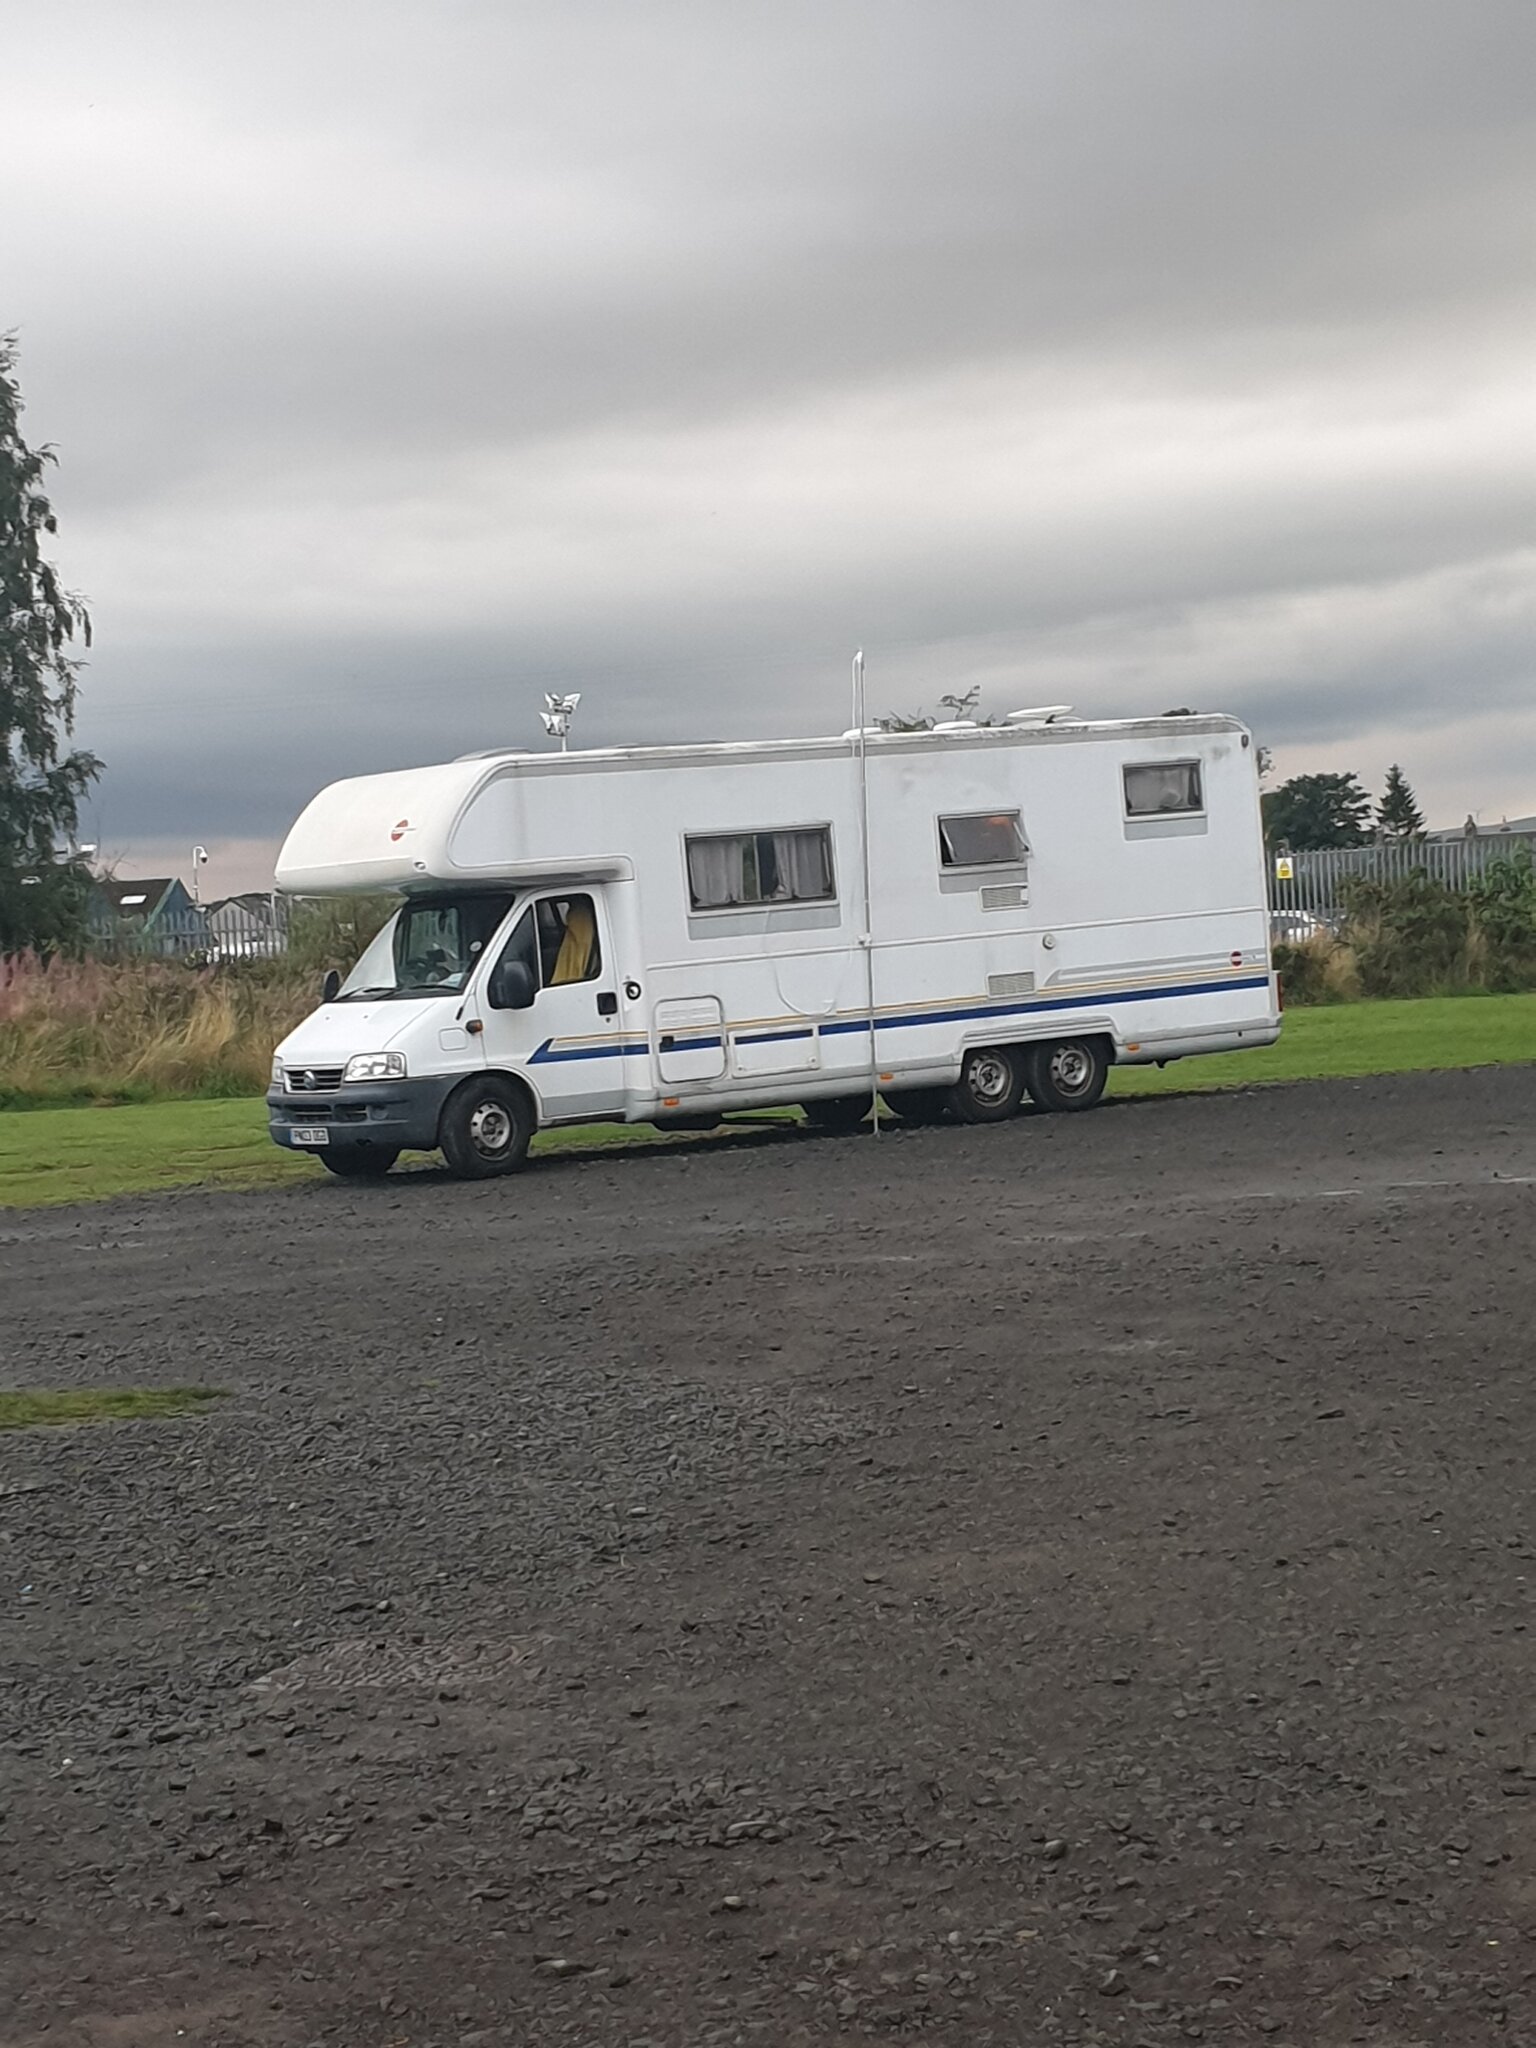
982 839
729 869
1161 789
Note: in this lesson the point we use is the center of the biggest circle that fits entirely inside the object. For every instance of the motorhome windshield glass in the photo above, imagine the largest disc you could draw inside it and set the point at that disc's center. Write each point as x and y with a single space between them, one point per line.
430 948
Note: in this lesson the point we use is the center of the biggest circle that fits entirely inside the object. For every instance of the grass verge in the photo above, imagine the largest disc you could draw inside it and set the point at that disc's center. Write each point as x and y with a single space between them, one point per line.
1413 1035
100 1404
81 1155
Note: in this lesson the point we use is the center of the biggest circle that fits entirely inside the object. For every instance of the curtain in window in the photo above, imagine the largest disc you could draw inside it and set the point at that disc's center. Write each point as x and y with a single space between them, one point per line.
803 865
578 957
1150 789
760 867
715 873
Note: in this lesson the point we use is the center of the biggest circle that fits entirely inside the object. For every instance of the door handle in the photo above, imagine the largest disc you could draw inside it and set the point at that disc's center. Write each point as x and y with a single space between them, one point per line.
607 1004
667 1042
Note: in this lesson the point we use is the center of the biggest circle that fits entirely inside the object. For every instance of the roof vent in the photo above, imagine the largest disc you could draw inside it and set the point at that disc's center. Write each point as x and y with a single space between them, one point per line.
1040 714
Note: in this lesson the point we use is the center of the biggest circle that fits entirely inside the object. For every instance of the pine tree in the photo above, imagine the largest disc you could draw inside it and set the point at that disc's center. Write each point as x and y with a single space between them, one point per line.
1398 815
42 894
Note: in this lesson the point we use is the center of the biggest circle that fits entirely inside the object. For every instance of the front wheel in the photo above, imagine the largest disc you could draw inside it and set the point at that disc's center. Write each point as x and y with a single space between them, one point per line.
358 1162
486 1129
1069 1074
990 1086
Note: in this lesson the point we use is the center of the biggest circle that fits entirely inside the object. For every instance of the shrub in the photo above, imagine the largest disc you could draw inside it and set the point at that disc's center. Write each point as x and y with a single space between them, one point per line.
124 1031
1316 970
1409 937
1503 900
332 931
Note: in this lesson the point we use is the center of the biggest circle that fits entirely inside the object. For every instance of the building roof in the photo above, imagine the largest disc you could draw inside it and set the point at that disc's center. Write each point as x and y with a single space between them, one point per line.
1484 831
253 903
134 898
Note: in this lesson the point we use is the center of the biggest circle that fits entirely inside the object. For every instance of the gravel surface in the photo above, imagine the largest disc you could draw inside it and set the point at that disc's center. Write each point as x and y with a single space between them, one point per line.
1059 1583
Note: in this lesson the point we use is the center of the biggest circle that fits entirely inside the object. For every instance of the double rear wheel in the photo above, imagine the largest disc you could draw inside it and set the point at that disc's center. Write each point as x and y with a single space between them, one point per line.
1061 1074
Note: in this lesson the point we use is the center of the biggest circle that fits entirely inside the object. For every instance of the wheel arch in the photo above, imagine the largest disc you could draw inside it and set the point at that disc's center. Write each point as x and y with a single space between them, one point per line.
508 1075
1097 1028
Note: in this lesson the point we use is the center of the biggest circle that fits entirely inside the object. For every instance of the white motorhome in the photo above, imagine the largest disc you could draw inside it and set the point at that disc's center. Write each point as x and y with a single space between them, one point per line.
664 935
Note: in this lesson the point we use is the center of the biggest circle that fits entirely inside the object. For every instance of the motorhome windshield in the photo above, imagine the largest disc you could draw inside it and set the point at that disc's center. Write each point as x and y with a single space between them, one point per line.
430 948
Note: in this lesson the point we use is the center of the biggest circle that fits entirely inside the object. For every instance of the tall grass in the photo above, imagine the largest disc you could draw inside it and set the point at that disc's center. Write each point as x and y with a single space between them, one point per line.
74 1031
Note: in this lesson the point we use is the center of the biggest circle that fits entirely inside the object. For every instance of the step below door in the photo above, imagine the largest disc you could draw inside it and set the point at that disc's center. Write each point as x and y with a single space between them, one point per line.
688 1040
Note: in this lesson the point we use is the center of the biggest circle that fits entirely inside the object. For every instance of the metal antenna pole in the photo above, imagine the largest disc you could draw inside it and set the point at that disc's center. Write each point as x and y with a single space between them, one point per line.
866 936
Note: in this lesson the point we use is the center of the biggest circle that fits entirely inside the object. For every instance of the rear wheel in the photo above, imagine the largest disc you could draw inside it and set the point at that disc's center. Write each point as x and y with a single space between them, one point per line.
837 1112
486 1129
358 1162
1069 1074
990 1085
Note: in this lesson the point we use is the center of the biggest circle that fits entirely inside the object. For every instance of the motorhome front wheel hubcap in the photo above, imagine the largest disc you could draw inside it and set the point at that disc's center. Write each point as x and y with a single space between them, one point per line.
989 1078
490 1129
1071 1069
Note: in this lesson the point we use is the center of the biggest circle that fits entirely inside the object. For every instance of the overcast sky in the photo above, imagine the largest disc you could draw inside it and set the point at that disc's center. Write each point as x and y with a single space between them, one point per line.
405 361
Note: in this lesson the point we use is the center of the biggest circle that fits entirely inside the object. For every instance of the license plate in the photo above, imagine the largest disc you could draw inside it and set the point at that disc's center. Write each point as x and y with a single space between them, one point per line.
309 1134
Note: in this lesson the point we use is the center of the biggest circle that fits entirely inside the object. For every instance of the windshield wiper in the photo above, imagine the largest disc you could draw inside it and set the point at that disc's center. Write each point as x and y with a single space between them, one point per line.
353 995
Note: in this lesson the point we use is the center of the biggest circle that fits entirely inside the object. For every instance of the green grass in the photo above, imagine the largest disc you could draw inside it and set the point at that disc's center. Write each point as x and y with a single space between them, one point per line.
100 1404
1350 1039
80 1155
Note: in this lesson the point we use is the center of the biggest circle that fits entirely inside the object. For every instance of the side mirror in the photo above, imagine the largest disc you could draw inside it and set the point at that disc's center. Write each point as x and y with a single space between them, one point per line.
512 986
330 988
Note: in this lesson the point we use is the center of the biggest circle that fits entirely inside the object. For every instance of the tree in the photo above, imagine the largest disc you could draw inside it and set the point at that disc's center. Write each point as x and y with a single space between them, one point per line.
1312 811
42 893
1398 815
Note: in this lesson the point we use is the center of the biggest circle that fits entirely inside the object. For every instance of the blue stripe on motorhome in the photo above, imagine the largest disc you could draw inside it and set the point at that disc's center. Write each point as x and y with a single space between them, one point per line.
547 1052
908 1020
1091 1000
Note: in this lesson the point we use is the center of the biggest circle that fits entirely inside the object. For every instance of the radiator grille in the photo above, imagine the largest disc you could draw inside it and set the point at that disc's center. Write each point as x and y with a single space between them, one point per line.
311 1080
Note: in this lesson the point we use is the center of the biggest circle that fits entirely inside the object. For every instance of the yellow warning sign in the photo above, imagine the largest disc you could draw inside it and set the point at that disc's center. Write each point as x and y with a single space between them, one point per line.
1284 869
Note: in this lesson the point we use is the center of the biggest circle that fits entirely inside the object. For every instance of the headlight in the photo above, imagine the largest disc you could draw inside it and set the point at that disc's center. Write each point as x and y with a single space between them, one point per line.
277 1073
376 1066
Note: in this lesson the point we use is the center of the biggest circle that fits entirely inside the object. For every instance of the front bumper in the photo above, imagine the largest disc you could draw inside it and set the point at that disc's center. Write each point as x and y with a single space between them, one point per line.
399 1115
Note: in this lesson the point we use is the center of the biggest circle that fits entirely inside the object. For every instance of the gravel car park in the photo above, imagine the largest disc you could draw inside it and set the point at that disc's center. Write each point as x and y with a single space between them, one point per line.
1060 1582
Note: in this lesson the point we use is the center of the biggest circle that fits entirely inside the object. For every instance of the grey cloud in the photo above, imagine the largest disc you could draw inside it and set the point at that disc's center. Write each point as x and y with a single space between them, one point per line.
365 257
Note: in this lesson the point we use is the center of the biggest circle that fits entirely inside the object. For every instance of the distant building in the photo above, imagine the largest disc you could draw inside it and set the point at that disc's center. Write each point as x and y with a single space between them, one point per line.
154 916
1471 829
244 928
